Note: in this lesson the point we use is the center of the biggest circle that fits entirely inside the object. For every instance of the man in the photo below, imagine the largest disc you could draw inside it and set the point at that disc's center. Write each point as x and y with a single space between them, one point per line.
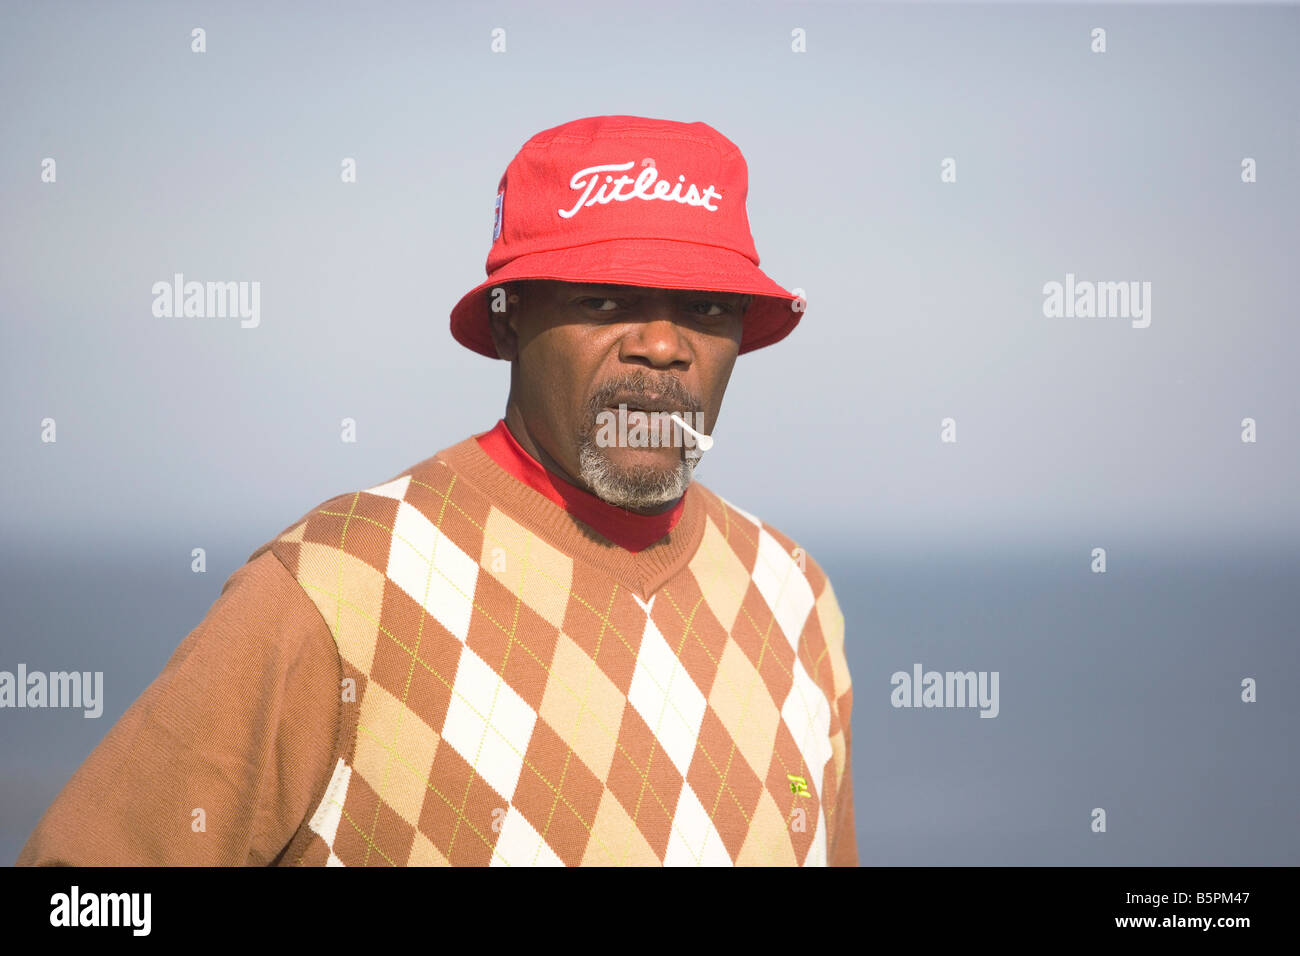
545 644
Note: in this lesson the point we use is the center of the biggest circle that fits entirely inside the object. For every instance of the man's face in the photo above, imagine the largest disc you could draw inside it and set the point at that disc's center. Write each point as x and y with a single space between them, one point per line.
579 351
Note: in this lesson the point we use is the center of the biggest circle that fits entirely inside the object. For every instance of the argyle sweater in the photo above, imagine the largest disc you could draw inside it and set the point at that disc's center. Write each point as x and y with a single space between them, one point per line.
452 668
518 690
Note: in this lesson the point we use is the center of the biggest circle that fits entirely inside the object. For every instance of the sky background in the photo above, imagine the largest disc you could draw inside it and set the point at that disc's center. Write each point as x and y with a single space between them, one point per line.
1119 690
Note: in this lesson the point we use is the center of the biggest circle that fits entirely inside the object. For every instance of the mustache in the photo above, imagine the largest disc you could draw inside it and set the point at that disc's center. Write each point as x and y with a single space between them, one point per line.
639 386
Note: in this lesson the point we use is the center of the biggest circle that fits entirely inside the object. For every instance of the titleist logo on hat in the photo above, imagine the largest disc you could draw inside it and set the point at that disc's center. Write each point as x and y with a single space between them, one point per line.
647 185
697 237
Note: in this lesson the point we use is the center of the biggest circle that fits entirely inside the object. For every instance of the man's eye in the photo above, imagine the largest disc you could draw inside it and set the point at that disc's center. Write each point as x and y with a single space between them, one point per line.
705 308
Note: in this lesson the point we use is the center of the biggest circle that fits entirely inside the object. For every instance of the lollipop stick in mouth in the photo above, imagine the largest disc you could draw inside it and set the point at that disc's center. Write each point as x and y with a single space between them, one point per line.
705 442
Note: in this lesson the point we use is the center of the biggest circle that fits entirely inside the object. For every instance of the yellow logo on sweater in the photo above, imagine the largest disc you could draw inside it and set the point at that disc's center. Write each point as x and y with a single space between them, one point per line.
798 785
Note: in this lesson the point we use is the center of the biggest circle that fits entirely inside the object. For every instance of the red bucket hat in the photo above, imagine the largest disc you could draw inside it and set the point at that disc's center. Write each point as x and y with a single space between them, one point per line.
626 200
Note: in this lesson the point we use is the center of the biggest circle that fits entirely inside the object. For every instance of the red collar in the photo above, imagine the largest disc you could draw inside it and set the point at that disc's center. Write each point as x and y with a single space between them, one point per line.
627 529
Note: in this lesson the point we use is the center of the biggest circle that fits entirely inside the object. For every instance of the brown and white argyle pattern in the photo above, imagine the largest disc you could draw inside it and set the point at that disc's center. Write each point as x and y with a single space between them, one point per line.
507 704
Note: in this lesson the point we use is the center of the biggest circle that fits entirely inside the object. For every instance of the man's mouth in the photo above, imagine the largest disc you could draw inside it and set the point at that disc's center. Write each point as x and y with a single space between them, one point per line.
637 416
641 422
642 403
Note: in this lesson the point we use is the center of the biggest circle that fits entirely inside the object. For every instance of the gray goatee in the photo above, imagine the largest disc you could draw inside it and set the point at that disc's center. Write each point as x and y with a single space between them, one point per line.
641 487
632 488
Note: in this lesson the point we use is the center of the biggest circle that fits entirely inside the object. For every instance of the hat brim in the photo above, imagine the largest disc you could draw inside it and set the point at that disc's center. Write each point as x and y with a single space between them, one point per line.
655 263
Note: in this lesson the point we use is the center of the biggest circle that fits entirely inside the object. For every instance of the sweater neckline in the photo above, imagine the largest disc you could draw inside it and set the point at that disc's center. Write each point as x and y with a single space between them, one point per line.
642 571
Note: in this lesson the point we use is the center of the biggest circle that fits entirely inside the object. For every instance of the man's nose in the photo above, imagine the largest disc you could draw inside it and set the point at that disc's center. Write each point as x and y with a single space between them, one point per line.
656 337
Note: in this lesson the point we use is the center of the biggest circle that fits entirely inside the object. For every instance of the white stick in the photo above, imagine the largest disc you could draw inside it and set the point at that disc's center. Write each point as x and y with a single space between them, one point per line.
705 442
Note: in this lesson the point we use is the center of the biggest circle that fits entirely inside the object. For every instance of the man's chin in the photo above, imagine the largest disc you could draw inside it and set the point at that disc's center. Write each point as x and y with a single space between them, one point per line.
635 478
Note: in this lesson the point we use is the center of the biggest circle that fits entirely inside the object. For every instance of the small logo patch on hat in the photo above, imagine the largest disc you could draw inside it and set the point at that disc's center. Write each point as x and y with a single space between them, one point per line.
496 228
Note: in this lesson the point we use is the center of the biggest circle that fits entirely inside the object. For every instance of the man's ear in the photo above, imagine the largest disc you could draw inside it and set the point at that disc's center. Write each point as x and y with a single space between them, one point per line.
503 313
